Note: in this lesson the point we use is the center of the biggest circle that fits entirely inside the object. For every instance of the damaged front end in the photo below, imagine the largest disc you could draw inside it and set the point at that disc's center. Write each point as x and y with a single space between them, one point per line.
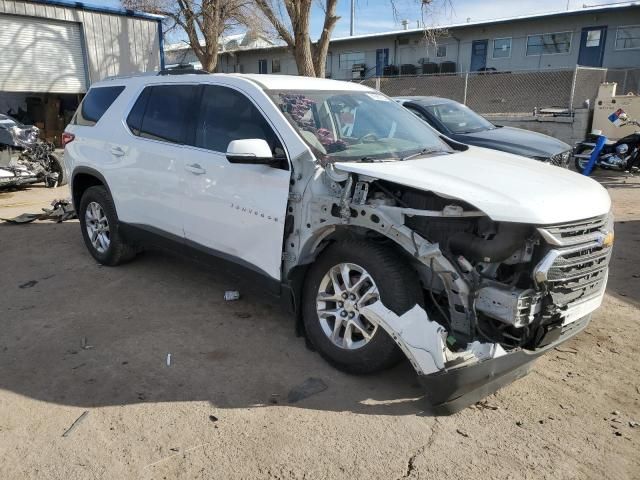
24 159
496 294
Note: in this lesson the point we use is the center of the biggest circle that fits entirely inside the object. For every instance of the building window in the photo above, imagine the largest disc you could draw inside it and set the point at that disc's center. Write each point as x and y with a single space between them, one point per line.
502 48
262 66
347 60
441 51
593 38
628 37
275 65
549 43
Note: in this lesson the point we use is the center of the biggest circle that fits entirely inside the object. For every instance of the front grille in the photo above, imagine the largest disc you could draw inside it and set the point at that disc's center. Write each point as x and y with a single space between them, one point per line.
575 232
576 267
578 274
561 159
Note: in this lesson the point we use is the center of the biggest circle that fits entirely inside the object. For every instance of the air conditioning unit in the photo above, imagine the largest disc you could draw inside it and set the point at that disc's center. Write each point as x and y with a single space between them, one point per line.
358 69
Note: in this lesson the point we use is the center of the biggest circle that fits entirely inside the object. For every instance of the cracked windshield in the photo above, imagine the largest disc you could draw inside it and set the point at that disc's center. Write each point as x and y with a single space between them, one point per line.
357 126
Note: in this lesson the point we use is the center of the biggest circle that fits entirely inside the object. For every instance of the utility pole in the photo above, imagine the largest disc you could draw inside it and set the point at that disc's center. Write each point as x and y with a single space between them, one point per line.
353 15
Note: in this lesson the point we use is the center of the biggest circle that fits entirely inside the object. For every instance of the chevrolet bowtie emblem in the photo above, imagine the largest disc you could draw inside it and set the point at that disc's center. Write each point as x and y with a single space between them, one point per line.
606 239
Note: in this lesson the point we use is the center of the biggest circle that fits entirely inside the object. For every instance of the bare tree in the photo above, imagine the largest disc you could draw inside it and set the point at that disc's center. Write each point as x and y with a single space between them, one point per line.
428 9
203 21
290 20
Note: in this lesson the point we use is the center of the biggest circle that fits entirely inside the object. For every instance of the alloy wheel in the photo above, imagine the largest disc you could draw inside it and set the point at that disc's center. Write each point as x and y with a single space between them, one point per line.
97 226
343 291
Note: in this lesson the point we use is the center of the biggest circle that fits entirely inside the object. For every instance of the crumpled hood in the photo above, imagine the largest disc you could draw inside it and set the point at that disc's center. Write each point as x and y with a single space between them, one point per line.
515 140
506 187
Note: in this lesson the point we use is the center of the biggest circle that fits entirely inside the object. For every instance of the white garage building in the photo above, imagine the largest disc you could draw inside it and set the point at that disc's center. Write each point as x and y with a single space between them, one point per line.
52 50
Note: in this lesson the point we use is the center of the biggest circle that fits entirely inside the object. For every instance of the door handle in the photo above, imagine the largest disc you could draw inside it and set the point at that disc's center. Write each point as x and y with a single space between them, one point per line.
195 168
117 151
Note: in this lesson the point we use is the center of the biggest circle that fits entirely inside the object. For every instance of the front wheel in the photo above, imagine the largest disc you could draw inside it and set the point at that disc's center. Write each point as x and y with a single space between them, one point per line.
347 276
581 163
55 166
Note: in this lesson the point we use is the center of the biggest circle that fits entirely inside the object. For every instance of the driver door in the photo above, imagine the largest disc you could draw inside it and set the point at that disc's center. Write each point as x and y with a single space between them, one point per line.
234 211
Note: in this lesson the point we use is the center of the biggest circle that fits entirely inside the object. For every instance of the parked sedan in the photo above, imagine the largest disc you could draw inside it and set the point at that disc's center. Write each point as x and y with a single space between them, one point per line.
462 124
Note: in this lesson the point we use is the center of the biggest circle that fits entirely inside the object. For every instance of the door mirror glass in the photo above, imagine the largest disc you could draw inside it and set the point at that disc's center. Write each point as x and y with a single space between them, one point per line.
250 150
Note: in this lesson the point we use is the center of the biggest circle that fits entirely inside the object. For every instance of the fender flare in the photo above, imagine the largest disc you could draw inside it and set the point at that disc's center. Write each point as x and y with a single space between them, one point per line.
86 171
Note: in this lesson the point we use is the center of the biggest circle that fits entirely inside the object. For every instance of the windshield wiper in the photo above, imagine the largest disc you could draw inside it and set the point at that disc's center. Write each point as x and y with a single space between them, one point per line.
424 151
376 160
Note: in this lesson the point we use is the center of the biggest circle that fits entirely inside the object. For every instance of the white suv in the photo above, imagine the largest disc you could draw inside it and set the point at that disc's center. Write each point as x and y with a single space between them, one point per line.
385 237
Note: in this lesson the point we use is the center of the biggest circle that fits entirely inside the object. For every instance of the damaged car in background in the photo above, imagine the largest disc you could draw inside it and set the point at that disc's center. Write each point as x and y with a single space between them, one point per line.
24 158
388 239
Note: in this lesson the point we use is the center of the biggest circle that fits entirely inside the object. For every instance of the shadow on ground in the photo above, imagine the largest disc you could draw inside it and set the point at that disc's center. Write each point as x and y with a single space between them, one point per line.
616 180
232 354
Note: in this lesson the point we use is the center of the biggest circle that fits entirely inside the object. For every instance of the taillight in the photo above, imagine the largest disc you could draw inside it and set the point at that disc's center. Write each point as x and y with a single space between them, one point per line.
67 138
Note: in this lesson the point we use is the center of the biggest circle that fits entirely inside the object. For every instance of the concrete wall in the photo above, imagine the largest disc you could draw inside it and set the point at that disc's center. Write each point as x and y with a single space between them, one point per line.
568 129
114 44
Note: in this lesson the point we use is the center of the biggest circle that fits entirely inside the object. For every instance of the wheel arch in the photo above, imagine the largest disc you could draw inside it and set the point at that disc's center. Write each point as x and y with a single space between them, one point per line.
83 178
317 243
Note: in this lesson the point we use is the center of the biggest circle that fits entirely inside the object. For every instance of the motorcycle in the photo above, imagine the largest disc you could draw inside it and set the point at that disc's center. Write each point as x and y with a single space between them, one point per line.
623 154
24 158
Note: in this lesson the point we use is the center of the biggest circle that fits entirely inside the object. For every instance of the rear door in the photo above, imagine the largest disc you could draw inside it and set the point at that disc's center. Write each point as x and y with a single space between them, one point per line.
148 178
231 210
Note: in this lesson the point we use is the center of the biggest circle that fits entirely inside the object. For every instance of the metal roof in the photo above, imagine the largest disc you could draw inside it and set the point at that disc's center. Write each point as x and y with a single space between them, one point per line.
100 9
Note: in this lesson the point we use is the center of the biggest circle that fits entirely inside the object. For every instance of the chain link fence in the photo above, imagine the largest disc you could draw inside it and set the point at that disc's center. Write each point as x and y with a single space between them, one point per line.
513 92
628 80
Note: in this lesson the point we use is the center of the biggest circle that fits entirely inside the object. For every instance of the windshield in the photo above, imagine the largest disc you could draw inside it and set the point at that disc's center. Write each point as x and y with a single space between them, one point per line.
458 118
356 126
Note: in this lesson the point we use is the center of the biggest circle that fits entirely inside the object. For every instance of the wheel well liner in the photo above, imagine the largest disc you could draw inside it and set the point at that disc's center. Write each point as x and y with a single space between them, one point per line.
81 179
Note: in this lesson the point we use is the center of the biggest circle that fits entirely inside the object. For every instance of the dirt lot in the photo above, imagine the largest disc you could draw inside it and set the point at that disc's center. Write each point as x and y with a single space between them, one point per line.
220 410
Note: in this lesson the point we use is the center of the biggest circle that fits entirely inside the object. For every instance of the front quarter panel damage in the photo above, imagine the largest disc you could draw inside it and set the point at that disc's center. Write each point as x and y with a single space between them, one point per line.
424 341
453 354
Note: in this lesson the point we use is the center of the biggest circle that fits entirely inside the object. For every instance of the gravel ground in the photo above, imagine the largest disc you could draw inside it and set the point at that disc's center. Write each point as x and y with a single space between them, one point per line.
78 337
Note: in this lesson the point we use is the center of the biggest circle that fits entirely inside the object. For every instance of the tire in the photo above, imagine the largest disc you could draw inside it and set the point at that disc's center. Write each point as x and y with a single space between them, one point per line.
581 163
399 289
57 166
114 251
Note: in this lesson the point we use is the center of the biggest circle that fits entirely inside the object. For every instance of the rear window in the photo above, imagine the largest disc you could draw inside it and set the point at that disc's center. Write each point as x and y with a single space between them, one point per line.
161 111
95 103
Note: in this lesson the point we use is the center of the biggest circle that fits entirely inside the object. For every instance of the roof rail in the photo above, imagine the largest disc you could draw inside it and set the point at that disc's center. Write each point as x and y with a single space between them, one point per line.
133 75
182 69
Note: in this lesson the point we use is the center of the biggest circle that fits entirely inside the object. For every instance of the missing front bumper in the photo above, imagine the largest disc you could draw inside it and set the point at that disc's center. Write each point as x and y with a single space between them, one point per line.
449 391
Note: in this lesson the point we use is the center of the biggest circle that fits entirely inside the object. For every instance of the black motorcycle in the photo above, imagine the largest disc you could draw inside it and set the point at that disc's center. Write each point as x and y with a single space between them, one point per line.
623 154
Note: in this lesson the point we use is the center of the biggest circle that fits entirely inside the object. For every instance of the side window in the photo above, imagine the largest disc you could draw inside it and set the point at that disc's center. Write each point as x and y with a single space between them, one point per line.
226 115
95 103
165 113
134 120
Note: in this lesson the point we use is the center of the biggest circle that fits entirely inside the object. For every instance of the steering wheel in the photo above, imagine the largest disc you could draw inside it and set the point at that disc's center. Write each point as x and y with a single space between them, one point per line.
367 137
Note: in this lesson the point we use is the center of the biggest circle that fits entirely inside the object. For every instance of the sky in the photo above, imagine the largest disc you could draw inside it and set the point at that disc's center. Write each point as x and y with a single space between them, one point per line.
374 16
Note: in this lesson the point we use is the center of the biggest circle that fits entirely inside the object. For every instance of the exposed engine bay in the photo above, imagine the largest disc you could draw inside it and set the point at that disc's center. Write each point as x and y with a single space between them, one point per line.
490 288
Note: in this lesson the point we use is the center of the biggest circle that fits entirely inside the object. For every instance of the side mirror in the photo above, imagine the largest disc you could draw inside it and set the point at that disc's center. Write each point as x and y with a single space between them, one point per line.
250 151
